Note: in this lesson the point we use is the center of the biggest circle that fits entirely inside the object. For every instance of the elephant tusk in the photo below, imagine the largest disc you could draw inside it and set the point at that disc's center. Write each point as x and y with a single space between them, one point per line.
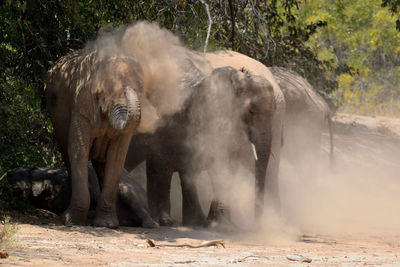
272 153
254 151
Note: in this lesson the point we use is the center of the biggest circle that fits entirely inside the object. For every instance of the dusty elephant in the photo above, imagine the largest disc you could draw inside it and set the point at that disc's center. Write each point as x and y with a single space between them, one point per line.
266 171
268 177
49 188
93 102
307 115
167 149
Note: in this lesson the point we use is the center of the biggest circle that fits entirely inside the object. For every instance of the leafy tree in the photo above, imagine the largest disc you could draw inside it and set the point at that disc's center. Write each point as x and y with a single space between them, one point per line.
394 7
360 36
270 32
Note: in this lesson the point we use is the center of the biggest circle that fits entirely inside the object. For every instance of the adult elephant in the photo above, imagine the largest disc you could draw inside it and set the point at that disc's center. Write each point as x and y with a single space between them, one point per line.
93 102
165 151
266 171
307 115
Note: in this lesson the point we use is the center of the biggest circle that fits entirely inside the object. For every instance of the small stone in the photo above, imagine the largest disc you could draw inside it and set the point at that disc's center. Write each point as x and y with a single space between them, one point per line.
3 254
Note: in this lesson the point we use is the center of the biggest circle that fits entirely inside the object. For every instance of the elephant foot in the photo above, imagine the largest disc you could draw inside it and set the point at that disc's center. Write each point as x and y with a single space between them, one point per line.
218 213
106 219
196 220
150 223
71 217
165 220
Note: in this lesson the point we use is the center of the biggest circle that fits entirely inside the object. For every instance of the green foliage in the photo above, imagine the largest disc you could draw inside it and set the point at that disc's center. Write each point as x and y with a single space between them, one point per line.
270 32
11 201
394 7
361 37
25 131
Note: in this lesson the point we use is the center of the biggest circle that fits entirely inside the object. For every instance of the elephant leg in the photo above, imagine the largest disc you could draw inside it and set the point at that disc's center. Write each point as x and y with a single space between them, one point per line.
128 197
78 153
94 186
219 212
61 132
61 124
192 214
272 197
106 215
137 153
99 167
159 177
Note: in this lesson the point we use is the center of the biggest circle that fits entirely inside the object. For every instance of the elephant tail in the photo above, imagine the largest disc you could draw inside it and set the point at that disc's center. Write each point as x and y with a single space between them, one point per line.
331 157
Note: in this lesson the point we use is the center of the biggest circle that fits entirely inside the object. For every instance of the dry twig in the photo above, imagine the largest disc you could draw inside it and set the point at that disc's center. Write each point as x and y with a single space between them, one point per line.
204 244
298 258
255 257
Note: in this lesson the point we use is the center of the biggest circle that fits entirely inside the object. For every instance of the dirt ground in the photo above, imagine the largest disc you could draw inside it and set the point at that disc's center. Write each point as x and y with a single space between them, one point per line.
361 226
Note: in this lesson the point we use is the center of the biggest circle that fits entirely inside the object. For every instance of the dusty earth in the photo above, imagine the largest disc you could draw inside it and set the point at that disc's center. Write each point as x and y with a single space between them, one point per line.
352 220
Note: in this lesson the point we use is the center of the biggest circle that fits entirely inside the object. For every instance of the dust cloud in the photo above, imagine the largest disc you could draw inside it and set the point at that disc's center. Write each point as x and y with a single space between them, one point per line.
360 195
160 55
357 195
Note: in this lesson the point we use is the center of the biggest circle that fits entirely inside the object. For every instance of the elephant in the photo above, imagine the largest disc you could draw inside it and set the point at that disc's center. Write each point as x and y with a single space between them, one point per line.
93 101
166 150
266 171
307 114
49 189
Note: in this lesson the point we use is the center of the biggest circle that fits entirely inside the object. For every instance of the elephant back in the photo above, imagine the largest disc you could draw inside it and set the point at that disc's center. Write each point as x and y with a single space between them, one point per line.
299 94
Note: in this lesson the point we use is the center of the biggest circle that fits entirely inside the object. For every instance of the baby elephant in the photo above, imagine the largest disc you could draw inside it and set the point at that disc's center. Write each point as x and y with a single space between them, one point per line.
50 189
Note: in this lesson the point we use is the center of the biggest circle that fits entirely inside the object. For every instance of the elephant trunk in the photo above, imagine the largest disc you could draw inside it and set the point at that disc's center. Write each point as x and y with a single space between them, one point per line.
129 109
261 144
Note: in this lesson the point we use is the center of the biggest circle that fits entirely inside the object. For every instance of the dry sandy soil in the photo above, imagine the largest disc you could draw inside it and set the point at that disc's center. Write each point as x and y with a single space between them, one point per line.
348 218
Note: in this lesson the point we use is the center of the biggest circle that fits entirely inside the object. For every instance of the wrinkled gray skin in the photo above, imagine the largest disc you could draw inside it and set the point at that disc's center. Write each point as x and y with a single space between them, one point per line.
93 103
307 115
166 151
49 188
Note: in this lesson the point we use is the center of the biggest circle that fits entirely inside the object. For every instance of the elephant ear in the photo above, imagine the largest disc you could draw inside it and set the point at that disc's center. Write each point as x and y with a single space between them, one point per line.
87 105
234 78
225 76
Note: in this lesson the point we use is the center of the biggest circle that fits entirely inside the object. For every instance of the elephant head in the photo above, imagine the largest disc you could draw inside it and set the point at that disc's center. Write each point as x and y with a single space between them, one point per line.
255 99
115 96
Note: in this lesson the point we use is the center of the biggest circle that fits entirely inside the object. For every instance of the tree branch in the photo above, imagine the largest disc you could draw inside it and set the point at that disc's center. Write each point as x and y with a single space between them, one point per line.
231 7
209 24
